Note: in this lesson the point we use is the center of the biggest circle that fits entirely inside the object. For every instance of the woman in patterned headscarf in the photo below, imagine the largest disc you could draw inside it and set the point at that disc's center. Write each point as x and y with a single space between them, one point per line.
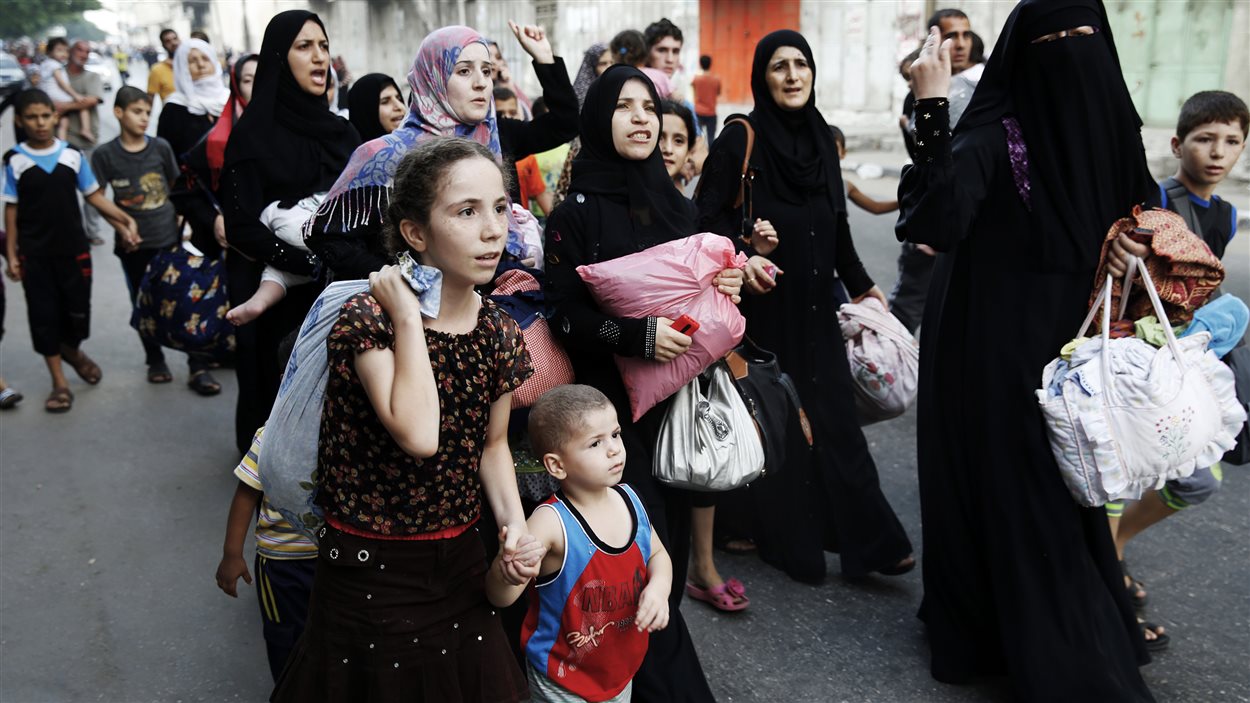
451 81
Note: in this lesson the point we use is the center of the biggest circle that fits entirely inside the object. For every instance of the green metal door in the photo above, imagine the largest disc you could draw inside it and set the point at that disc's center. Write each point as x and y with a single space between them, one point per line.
1169 50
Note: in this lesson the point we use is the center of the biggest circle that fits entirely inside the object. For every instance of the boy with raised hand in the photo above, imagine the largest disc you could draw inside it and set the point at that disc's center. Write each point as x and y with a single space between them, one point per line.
602 585
1210 136
48 250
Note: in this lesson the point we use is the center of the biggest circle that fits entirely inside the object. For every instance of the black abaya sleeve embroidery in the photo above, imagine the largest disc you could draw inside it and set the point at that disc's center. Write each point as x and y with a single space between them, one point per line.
940 194
578 320
240 195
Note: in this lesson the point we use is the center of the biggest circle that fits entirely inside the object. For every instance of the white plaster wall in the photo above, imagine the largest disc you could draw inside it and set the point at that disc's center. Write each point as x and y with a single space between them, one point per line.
858 44
383 35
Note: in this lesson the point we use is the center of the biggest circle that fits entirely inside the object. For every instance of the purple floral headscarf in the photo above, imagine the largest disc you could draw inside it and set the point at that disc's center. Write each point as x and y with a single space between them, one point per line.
362 191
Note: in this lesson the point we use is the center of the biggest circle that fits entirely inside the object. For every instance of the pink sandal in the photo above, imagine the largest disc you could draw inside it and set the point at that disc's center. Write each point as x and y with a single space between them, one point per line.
728 597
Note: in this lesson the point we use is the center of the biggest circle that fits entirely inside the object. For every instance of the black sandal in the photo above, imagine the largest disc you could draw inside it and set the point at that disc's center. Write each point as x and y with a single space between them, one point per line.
159 373
1161 640
202 382
1136 589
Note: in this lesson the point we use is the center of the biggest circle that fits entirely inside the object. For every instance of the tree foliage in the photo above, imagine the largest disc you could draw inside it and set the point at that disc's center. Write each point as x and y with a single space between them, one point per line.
20 18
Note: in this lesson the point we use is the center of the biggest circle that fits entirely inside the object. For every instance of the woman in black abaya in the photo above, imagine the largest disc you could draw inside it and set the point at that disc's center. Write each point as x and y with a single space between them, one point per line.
286 146
1019 580
622 201
829 497
375 106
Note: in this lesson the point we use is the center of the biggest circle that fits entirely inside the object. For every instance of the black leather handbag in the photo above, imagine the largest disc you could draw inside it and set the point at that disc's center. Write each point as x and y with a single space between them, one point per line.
771 397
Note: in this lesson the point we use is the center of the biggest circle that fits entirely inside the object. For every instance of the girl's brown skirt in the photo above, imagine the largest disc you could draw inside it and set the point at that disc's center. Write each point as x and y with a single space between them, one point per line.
397 620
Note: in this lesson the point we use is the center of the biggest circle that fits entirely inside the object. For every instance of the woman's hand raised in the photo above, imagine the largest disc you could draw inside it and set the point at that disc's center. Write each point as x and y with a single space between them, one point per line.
931 73
669 343
534 40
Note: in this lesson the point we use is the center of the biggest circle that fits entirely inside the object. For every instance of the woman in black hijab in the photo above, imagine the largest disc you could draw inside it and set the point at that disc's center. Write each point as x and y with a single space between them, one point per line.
286 146
830 497
622 201
1019 579
375 106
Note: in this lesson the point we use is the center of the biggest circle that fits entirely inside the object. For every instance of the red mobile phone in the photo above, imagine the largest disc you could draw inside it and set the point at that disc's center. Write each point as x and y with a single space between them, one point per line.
686 325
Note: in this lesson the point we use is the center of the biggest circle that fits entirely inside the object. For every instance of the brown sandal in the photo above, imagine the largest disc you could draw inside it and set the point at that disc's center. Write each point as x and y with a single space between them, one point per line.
60 400
86 369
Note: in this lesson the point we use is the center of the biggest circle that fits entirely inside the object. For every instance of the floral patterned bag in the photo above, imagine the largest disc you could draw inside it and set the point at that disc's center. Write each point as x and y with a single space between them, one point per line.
884 360
182 303
1124 417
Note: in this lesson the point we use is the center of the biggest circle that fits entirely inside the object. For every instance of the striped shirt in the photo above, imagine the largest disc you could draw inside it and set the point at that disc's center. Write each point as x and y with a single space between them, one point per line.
275 537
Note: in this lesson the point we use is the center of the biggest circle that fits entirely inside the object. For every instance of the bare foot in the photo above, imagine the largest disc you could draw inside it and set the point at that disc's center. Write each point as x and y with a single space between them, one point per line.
245 313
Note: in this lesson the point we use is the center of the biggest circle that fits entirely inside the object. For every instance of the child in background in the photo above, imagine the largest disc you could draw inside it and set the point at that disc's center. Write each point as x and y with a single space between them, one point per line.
414 430
630 48
141 170
54 82
855 195
603 583
287 224
550 163
1210 137
285 561
47 248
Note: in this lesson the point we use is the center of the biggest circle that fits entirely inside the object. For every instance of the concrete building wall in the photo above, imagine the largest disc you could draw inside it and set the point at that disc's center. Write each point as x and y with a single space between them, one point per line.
383 35
858 44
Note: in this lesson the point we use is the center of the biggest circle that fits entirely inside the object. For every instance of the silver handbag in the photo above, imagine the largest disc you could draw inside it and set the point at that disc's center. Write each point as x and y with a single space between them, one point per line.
708 440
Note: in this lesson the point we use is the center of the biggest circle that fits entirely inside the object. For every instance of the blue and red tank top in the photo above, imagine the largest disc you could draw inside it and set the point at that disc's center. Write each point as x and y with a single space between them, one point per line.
580 628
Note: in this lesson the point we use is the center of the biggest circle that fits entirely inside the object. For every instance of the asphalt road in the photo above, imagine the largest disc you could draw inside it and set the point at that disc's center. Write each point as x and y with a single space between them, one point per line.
113 517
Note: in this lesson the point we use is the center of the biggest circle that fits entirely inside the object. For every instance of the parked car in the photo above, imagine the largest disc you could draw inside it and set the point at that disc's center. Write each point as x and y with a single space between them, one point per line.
12 75
102 68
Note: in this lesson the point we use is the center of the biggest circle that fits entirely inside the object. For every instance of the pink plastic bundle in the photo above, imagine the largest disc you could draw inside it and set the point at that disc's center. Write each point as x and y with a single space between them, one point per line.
670 280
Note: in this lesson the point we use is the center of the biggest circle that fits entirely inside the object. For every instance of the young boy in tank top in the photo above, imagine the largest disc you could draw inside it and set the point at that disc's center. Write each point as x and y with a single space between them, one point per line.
604 581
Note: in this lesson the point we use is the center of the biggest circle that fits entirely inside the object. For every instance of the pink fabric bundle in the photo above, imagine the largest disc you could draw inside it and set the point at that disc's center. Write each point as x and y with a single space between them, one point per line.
670 280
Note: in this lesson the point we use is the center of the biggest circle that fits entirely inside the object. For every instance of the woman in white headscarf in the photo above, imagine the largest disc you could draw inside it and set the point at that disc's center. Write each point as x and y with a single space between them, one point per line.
192 109
199 96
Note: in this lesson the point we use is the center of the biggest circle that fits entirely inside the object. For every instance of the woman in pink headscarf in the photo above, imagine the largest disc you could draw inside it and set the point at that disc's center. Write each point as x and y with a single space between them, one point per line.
452 83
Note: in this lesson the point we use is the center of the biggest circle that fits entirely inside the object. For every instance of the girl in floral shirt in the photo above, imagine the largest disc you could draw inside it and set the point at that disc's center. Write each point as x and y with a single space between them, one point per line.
413 432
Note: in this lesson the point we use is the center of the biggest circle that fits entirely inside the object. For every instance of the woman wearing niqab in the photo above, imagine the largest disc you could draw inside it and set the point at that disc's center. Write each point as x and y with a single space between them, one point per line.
1018 579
